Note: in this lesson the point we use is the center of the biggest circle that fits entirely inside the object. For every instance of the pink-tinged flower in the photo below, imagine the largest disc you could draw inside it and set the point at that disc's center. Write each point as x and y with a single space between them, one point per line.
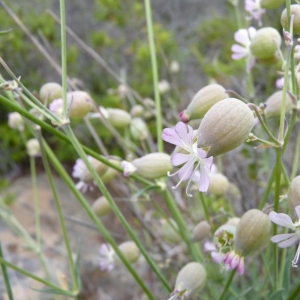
81 171
106 258
254 8
57 107
279 82
287 239
216 256
234 261
243 37
182 136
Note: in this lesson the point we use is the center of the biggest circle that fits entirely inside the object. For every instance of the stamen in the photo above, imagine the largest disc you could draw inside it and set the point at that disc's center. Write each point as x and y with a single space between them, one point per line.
188 185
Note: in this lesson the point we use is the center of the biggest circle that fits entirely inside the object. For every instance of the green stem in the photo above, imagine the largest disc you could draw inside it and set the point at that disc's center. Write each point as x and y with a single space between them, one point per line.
60 216
203 202
155 76
295 293
113 205
282 268
63 56
63 137
228 283
36 278
62 172
6 277
296 157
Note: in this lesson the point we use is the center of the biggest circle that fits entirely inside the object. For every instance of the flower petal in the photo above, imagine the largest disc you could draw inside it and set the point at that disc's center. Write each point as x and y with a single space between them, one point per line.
282 220
187 170
169 135
239 50
289 242
185 133
178 159
241 266
242 37
297 209
204 180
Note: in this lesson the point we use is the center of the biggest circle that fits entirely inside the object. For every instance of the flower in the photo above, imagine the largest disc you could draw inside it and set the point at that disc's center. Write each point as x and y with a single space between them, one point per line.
182 136
107 257
287 239
254 8
243 37
216 255
234 261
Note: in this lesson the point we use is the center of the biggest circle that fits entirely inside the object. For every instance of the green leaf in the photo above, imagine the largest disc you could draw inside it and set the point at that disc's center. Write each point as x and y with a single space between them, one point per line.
242 294
5 31
277 295
55 292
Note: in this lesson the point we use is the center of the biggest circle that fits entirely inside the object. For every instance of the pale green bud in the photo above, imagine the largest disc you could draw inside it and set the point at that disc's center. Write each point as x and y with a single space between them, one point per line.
119 118
101 206
203 101
81 104
163 86
170 231
233 221
265 43
271 4
16 121
252 232
138 129
293 196
225 126
174 67
295 10
99 166
190 280
33 148
273 105
201 231
130 250
137 110
111 173
218 185
50 91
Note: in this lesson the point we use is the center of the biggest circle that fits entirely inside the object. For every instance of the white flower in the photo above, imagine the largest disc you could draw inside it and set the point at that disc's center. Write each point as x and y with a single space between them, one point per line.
107 257
254 8
163 87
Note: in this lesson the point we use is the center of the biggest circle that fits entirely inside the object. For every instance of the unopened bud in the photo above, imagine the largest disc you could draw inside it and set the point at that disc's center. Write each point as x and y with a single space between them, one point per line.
33 148
50 91
265 43
130 250
233 221
153 165
138 129
169 231
189 281
273 104
16 121
111 173
119 118
219 184
293 196
201 231
163 87
101 206
203 101
225 126
137 110
174 67
271 4
252 232
295 10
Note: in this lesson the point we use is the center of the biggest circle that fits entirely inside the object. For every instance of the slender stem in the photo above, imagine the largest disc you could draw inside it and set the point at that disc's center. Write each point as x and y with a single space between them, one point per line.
113 205
204 206
60 216
62 172
63 56
285 174
6 277
228 283
267 190
295 165
282 267
284 93
95 136
155 76
63 137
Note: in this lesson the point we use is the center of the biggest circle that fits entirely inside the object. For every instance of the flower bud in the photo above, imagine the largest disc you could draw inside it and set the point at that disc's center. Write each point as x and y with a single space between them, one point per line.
273 104
252 231
201 231
101 206
174 67
271 4
225 126
169 231
219 184
50 91
163 87
16 121
123 91
33 148
233 221
295 10
293 196
111 173
203 101
190 280
138 129
153 165
137 110
265 43
119 118
130 250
